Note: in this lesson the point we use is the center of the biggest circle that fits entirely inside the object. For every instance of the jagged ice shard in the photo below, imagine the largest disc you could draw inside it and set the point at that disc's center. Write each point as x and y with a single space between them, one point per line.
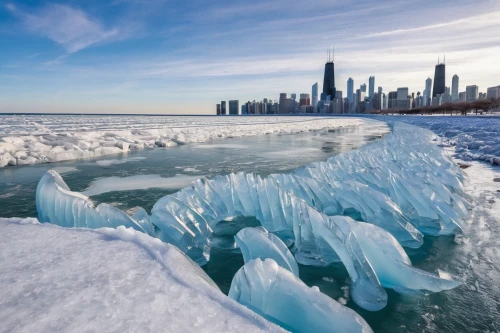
259 243
401 186
281 297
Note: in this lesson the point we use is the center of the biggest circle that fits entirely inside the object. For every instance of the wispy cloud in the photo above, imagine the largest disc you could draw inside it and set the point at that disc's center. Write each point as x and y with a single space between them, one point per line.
72 28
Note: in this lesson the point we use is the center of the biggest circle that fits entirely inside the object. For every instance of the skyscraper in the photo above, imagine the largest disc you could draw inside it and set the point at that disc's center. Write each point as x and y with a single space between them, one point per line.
329 81
371 86
218 109
223 107
454 88
350 90
380 90
471 93
315 94
363 88
427 91
439 80
234 107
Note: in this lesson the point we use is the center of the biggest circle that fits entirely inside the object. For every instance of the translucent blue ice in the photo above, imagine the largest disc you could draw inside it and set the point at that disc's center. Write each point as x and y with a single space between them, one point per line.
401 186
281 297
57 204
259 243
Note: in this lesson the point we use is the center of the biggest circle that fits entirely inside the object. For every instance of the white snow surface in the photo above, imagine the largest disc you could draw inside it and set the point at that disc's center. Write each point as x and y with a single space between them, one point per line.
473 138
32 139
108 280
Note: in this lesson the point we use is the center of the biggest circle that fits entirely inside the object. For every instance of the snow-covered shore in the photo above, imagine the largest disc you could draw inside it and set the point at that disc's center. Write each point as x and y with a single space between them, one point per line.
28 140
474 138
108 280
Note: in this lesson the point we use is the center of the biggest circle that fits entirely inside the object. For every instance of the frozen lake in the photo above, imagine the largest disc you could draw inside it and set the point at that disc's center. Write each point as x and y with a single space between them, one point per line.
140 178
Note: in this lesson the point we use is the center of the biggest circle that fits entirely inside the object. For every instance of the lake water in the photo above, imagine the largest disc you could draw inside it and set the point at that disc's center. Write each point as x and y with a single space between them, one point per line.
141 178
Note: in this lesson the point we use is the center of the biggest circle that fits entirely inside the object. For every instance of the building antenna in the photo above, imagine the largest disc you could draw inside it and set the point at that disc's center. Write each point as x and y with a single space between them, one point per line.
438 60
333 51
444 59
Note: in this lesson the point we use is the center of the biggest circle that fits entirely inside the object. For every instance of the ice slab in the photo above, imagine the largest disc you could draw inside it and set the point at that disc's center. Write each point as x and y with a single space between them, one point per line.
259 243
137 182
281 297
78 280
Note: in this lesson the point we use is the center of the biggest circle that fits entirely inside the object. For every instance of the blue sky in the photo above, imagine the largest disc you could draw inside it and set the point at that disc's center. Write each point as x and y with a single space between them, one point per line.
156 56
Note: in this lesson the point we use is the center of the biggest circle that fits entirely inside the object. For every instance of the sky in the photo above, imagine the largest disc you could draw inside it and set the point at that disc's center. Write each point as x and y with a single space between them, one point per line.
184 57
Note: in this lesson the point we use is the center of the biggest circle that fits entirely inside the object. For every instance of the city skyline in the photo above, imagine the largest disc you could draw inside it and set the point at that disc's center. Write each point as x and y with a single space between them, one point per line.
121 57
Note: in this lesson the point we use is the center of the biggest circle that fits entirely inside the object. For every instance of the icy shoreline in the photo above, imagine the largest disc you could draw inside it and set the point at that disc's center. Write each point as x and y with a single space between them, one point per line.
27 140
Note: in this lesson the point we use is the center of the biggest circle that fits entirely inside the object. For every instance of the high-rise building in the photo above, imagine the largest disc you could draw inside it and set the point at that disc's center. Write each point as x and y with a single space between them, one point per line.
454 88
392 99
244 109
218 109
403 102
304 99
471 93
293 96
350 90
439 80
493 92
234 107
329 81
371 86
462 97
380 90
287 105
363 88
315 94
223 107
428 91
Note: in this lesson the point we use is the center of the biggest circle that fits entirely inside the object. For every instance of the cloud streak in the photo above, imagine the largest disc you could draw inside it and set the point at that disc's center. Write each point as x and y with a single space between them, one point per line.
67 26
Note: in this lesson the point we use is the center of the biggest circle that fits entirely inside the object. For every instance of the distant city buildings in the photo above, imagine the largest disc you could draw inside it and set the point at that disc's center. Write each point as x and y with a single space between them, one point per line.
360 101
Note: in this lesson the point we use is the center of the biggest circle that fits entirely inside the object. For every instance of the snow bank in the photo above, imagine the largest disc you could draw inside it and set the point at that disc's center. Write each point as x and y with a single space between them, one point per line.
120 280
474 138
43 139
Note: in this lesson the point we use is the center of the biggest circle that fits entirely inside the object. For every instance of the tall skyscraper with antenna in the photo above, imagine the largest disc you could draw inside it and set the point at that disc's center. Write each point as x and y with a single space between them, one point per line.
329 79
439 79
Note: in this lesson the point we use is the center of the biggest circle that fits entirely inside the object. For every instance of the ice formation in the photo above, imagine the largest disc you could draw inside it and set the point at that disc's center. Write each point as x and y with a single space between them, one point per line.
44 139
401 186
77 280
57 204
281 297
259 243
